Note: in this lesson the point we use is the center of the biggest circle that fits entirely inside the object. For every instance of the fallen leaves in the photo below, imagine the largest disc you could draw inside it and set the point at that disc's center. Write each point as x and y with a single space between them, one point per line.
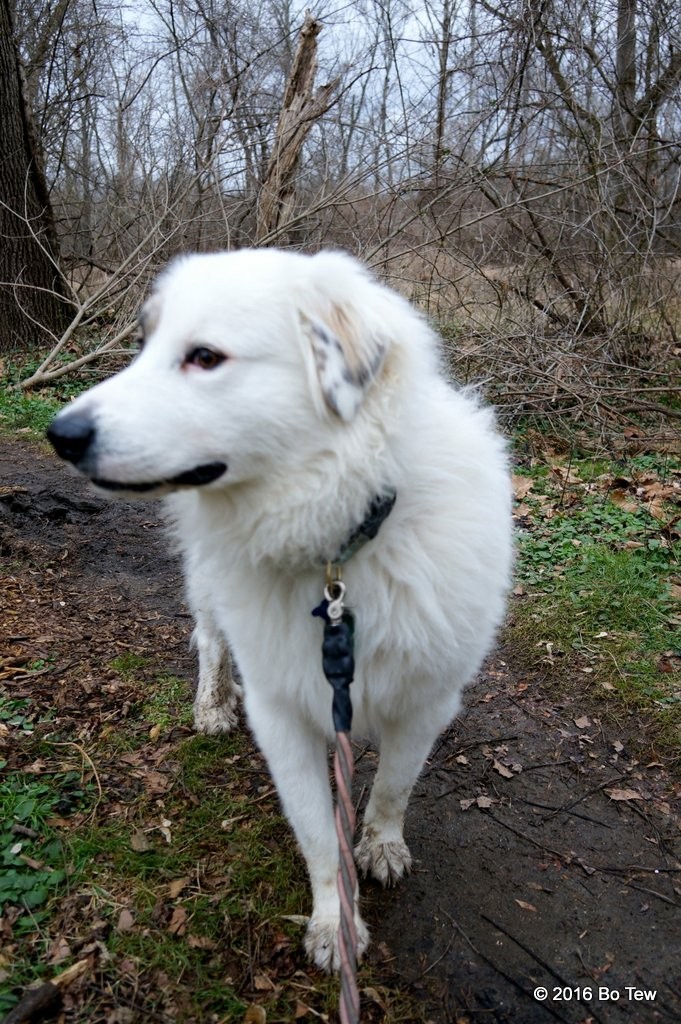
483 802
255 1015
623 500
201 942
522 485
178 921
141 789
126 921
262 983
177 886
36 1002
139 841
164 829
501 761
624 794
156 783
669 662
59 951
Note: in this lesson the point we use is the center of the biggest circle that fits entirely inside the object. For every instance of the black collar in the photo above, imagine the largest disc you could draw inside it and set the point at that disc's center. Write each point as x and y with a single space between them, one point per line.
380 508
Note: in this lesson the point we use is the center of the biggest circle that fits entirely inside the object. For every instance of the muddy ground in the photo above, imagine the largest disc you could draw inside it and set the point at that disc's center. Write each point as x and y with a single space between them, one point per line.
545 837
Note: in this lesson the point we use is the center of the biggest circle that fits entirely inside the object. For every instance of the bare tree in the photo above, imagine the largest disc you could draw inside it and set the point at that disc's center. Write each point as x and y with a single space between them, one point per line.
32 298
516 169
300 108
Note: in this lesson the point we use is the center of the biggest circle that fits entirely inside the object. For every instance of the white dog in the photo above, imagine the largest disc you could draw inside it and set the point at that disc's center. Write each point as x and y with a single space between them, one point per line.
277 396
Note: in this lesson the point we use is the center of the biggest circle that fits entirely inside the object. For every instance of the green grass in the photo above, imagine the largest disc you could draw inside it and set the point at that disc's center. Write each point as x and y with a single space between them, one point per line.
170 703
597 597
33 411
560 543
19 411
238 866
239 870
166 700
35 864
128 665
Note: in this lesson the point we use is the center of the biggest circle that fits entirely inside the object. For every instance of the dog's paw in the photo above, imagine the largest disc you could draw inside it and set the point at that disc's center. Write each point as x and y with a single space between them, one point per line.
387 862
213 719
321 941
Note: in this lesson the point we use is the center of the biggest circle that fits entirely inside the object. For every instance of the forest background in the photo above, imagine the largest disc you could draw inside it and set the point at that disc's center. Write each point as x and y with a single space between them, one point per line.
514 169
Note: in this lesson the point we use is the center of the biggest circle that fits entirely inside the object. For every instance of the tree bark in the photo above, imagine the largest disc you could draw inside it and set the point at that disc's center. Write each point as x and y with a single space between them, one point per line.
33 303
625 70
299 110
443 79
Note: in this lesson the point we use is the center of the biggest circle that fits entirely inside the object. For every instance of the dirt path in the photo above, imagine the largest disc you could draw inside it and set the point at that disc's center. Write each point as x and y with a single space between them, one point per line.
547 855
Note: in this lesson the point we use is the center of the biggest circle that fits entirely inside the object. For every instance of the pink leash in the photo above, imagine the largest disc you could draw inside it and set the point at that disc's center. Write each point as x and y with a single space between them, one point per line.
347 880
339 666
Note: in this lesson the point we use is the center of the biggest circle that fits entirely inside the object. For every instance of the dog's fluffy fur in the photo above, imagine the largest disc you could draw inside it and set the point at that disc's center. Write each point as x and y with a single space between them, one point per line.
330 393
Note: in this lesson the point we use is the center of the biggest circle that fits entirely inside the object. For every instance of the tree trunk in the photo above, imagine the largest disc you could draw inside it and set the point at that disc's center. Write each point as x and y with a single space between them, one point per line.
625 71
33 304
443 81
299 110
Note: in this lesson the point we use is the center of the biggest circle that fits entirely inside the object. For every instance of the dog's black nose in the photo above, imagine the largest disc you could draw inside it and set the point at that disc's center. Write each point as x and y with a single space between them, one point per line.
71 434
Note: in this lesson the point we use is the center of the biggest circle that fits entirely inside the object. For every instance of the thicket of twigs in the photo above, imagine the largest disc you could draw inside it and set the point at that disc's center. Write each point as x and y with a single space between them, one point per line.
515 170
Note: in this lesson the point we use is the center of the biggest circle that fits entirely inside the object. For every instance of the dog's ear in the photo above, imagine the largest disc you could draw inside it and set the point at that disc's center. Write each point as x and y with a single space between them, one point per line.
347 347
148 317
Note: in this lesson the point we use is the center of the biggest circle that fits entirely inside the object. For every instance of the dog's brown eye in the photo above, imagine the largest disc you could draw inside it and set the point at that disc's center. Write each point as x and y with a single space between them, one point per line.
204 358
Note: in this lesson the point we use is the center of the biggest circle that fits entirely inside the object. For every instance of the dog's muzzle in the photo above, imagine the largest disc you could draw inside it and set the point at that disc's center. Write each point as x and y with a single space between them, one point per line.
72 435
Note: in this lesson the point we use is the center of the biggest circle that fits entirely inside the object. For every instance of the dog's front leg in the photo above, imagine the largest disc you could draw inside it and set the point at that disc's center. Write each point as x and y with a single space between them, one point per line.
217 694
297 757
404 747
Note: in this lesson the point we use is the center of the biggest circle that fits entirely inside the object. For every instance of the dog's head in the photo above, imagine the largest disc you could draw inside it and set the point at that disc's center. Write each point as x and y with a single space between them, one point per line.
246 358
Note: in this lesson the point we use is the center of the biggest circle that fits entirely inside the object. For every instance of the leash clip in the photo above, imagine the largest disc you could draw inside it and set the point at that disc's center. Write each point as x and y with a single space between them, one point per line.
334 593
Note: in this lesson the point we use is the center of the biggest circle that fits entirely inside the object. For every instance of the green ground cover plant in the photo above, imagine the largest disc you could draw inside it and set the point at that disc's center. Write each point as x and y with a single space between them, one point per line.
32 412
599 577
36 867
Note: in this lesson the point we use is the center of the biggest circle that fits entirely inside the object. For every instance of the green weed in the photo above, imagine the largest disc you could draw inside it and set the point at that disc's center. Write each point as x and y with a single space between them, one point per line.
553 545
32 860
596 575
235 867
20 713
19 411
33 411
170 703
15 713
128 665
